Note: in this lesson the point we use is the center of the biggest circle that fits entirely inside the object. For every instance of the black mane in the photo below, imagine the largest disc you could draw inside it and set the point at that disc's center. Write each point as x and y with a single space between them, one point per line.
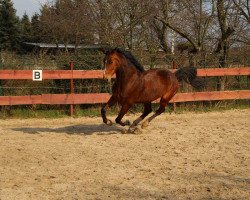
128 55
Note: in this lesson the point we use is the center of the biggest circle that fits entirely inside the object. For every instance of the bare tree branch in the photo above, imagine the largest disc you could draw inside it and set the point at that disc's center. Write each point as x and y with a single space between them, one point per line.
181 33
243 12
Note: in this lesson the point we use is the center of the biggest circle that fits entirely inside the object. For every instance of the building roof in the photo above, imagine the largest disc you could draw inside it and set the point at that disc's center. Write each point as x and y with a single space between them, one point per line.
62 46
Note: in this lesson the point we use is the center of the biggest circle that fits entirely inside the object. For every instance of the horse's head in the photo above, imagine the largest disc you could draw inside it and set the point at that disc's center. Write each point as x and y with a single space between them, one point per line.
112 62
116 58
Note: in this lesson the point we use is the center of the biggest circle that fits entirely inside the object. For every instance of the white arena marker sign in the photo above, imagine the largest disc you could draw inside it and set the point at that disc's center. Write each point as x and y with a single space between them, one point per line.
37 75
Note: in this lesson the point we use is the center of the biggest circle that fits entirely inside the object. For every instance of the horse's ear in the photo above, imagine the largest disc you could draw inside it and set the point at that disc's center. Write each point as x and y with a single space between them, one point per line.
117 49
105 49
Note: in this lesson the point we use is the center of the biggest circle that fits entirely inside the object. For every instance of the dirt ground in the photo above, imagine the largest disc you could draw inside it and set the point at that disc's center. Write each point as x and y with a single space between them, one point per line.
179 156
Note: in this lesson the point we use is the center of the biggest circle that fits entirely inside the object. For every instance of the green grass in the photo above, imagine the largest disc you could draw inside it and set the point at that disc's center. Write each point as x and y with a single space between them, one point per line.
94 111
22 113
213 106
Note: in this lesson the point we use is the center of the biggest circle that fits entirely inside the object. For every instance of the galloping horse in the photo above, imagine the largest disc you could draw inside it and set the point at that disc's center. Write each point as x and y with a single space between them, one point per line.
135 85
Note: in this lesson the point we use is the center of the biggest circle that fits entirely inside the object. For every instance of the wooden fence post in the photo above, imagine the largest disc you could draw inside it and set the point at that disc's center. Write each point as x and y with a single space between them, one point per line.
174 67
71 64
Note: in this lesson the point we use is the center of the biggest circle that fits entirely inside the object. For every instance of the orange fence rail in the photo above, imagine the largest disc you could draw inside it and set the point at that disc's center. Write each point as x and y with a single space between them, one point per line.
97 74
94 98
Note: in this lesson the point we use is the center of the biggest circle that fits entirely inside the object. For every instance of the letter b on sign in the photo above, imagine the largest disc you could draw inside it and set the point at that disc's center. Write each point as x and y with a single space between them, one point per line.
37 75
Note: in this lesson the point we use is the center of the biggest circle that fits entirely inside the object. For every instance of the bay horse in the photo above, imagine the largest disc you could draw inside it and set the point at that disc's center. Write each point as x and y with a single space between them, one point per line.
135 85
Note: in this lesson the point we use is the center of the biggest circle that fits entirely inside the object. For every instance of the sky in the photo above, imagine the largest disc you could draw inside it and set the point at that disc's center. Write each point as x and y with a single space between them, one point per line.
28 6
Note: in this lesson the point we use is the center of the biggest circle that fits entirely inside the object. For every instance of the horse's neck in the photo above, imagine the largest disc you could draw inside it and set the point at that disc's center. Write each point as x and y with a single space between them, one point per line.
124 73
124 76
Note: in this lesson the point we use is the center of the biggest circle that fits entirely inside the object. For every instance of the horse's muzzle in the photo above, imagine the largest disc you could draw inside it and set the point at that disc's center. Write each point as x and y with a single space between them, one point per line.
107 77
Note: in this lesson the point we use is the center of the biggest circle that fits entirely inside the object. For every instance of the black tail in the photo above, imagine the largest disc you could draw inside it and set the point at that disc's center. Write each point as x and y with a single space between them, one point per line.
189 75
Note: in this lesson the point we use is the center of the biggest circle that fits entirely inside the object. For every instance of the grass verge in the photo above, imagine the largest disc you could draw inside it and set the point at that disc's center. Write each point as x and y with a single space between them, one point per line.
24 112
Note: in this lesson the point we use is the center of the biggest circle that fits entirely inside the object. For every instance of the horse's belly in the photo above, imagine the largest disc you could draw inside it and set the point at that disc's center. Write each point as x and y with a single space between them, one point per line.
148 97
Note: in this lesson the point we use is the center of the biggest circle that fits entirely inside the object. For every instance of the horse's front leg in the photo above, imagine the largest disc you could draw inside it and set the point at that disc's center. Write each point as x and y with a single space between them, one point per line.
123 111
106 106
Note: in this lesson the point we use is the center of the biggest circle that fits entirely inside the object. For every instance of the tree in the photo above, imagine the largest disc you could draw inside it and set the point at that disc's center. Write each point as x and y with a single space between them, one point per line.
160 27
36 29
244 7
122 23
9 31
191 19
67 22
211 26
225 10
25 28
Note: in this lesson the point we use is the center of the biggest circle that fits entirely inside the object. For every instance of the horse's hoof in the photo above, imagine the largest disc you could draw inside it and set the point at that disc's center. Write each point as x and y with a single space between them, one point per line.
109 122
131 130
145 124
123 131
134 130
127 123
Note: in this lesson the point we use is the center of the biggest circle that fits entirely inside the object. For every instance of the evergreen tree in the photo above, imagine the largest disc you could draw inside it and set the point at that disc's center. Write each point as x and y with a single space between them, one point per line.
25 28
36 28
9 30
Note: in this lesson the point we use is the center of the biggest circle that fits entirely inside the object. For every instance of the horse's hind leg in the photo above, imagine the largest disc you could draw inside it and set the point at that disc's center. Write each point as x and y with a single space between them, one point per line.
147 110
160 110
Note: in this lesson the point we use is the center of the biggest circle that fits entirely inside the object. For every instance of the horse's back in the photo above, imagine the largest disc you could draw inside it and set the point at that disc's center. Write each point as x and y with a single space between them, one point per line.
159 76
156 83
